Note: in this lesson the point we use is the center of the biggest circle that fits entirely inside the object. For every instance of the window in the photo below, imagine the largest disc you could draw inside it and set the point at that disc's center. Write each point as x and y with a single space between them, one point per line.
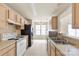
71 32
37 29
77 32
40 30
43 29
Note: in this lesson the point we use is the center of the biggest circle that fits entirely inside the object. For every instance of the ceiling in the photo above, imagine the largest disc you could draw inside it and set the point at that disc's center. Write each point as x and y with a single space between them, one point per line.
32 10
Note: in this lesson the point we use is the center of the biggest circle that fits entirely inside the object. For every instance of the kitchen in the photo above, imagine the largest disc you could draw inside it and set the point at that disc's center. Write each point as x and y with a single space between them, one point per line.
54 31
13 40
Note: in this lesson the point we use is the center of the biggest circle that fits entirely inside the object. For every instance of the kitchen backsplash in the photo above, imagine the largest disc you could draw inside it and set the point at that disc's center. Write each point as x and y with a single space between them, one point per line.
7 36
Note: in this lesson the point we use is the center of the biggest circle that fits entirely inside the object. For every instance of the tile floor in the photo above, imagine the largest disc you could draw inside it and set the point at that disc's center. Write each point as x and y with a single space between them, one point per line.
38 48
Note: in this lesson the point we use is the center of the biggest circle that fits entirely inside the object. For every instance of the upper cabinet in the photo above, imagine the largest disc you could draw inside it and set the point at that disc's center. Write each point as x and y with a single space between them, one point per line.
8 17
22 23
25 22
12 15
54 22
3 16
19 19
75 15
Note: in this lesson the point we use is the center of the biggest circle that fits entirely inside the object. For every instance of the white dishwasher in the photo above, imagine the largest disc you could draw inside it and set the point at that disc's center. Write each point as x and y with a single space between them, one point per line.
21 47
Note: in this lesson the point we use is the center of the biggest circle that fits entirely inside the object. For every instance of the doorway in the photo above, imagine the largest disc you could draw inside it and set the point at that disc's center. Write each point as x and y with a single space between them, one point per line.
40 30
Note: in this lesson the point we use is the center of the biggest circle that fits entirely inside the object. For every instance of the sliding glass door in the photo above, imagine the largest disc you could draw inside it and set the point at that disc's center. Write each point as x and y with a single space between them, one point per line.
43 30
37 28
40 31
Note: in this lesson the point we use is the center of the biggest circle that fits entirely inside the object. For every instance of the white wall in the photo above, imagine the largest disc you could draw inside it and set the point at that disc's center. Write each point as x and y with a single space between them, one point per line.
64 19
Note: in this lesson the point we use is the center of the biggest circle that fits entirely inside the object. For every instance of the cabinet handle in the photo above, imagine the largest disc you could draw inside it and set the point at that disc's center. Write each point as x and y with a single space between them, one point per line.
8 14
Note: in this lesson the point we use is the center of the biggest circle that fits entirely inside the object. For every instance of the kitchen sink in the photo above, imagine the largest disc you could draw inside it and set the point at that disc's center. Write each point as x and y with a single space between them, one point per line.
60 41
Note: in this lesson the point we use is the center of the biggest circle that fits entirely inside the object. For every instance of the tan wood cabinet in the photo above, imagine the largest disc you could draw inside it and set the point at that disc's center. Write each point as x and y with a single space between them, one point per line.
75 15
12 52
22 23
48 48
58 53
52 50
25 22
3 16
19 19
12 15
54 22
8 50
6 54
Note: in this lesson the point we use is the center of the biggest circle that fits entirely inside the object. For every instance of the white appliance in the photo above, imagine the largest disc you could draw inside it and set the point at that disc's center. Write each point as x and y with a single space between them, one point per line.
21 47
20 42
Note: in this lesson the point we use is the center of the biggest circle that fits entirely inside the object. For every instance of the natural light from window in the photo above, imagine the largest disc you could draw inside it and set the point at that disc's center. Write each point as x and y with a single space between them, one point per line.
73 32
40 29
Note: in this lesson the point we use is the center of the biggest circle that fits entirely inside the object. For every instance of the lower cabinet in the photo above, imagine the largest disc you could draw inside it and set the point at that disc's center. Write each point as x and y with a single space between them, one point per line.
52 50
8 51
58 53
12 52
48 48
6 54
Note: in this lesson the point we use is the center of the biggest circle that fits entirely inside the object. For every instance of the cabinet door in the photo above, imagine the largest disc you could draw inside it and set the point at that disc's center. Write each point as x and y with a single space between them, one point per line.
12 52
3 16
22 23
54 22
8 51
48 48
52 50
6 54
54 25
25 22
58 53
54 19
12 15
75 15
18 19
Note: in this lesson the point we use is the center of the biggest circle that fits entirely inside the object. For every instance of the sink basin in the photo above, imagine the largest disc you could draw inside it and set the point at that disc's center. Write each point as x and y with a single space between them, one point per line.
53 38
60 42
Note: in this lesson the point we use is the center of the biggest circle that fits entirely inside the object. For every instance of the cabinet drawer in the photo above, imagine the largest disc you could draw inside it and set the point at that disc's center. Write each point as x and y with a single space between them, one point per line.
6 49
